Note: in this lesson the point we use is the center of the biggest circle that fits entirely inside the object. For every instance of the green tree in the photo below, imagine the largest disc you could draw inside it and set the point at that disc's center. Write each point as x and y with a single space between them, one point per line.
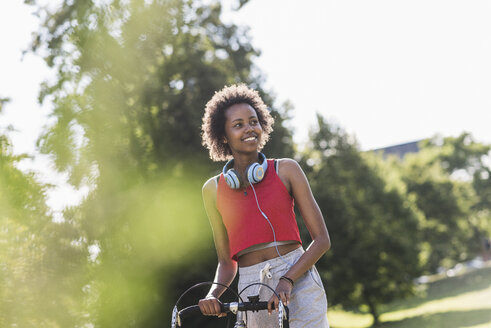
133 78
374 231
449 181
40 277
467 159
458 153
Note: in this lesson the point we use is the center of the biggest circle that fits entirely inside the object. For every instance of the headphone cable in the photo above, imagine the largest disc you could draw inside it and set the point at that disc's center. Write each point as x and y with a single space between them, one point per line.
272 229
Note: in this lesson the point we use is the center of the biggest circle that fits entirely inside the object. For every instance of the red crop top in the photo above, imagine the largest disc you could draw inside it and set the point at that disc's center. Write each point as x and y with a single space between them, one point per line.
244 223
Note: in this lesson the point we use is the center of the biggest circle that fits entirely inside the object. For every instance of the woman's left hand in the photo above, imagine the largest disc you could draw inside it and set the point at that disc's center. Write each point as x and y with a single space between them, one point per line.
284 290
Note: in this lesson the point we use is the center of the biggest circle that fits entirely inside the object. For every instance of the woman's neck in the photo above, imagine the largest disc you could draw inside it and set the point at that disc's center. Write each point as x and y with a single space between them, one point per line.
242 161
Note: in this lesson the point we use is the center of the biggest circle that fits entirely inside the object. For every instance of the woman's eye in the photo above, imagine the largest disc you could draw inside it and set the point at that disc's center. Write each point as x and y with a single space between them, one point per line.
238 125
254 122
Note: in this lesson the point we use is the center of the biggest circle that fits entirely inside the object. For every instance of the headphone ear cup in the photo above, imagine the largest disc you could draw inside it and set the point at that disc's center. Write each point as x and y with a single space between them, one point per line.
232 179
255 173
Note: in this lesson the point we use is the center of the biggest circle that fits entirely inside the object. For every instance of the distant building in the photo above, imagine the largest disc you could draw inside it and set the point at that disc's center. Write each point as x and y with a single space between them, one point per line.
400 150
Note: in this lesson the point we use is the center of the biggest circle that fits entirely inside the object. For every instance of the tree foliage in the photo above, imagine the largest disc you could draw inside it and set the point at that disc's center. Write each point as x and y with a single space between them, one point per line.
445 204
374 256
140 72
133 78
40 259
465 158
450 182
458 153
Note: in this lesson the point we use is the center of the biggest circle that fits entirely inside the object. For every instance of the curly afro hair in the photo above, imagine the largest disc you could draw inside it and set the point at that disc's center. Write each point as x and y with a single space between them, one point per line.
213 127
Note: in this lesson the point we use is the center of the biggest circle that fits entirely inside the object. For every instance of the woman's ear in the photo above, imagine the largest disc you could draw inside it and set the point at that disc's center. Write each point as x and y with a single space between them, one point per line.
225 140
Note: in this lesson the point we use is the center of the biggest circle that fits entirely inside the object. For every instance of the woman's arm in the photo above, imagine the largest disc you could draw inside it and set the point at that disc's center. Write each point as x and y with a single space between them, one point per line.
296 183
226 268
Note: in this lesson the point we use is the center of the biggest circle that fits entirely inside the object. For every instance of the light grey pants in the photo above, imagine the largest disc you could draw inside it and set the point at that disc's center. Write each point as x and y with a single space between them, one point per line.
308 302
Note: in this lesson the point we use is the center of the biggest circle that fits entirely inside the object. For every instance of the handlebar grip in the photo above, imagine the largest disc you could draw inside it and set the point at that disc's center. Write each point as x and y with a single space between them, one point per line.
255 306
195 310
190 311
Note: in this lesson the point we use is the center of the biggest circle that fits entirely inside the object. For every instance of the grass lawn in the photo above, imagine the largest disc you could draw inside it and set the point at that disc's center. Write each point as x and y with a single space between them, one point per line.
460 301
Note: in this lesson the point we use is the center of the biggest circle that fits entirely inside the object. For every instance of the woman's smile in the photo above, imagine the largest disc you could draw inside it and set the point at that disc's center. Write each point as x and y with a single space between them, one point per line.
250 139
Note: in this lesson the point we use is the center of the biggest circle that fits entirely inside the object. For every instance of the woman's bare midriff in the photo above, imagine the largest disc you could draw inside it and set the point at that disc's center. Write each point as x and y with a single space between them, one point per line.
265 254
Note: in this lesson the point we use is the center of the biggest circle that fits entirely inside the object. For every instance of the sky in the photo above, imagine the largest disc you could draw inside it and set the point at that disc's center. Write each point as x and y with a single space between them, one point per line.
388 72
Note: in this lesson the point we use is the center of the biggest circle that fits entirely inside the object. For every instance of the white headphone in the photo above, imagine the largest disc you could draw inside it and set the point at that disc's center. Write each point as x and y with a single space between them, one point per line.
255 172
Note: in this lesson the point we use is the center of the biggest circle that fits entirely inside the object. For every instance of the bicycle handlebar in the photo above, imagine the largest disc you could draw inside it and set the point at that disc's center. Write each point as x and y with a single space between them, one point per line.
233 307
227 308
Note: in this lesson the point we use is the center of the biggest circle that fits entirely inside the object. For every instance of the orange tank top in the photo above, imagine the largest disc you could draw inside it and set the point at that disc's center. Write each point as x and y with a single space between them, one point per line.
244 223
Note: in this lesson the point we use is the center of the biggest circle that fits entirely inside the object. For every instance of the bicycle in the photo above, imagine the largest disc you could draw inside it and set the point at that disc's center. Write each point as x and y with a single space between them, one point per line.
238 308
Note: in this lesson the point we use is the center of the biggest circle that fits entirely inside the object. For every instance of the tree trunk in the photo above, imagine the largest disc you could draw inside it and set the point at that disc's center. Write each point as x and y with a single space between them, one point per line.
374 313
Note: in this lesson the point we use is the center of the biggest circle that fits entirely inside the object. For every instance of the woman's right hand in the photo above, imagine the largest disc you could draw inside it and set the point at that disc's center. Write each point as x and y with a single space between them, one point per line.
210 305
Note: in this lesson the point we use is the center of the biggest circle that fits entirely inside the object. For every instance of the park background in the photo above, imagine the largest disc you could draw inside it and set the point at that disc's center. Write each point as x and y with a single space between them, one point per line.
119 232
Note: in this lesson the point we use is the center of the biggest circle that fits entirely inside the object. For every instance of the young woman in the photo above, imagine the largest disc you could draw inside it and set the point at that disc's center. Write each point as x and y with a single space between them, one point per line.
250 208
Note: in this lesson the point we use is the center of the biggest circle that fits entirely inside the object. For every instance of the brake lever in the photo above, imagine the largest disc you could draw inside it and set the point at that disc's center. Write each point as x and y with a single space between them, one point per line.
175 318
281 313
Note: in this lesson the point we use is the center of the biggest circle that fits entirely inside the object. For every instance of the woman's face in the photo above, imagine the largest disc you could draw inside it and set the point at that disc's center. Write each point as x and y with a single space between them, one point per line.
242 129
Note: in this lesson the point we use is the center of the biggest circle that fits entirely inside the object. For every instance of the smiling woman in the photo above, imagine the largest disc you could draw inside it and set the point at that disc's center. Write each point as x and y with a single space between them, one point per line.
242 128
251 210
215 118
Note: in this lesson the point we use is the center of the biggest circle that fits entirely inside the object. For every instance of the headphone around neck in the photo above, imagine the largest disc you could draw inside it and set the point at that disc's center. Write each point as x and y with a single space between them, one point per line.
255 172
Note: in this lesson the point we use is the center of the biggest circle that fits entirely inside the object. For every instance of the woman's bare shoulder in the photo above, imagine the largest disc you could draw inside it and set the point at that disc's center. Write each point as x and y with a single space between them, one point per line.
210 186
288 165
